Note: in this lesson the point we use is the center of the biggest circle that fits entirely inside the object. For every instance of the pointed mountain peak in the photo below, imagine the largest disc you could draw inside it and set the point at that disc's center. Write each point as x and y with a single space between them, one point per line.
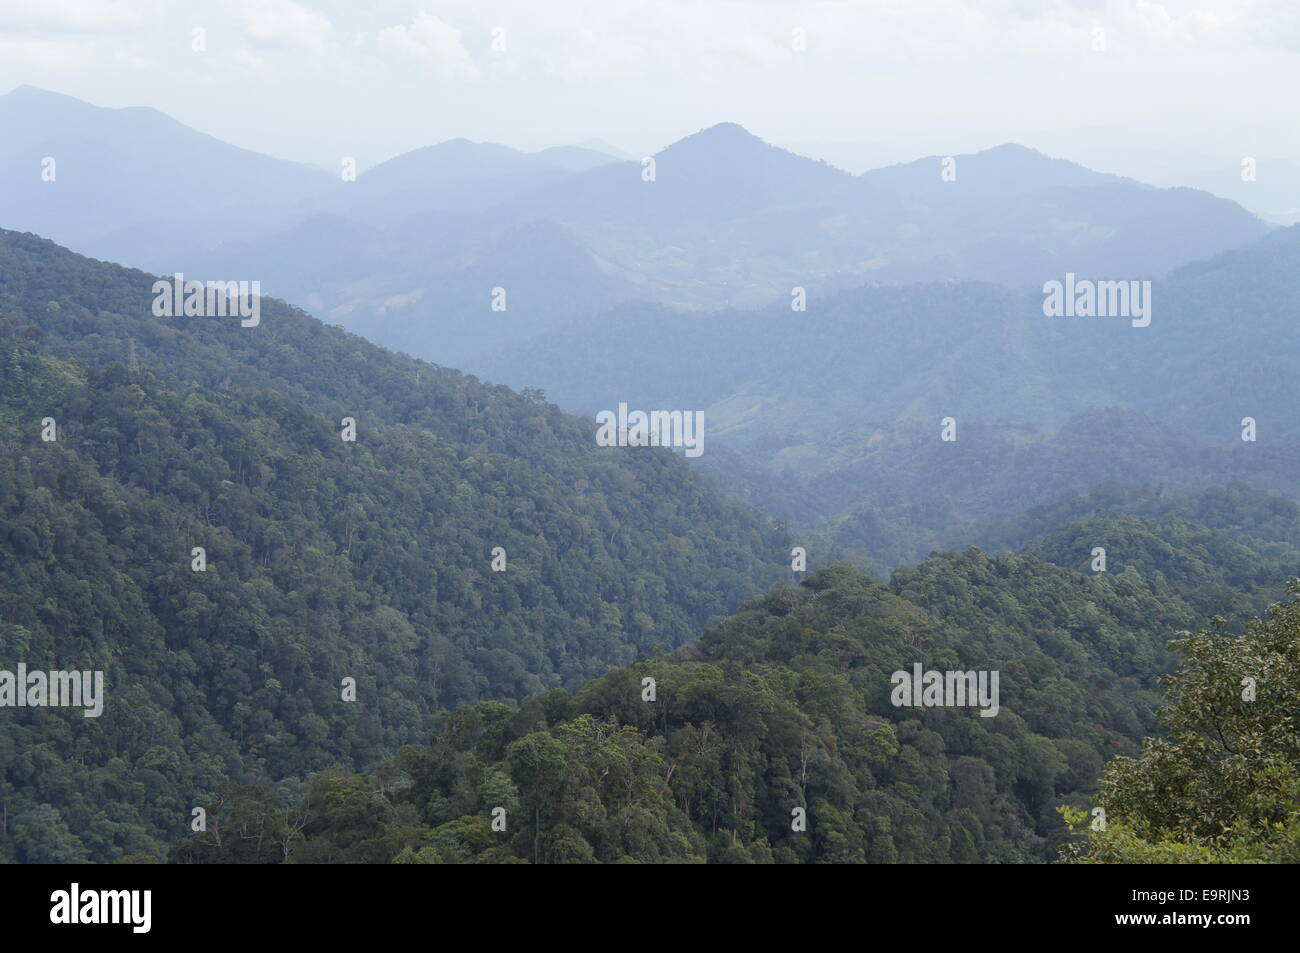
723 135
724 148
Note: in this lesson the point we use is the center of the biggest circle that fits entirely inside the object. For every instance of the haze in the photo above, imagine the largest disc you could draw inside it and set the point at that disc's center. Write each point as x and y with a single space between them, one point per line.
1180 87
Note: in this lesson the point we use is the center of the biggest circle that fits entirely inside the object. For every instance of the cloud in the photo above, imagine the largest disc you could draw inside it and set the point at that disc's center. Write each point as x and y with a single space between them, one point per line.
52 55
71 16
429 39
286 25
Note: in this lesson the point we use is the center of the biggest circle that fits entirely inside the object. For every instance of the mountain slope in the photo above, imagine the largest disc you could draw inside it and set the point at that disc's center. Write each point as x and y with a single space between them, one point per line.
786 705
845 400
325 559
133 184
457 176
1005 170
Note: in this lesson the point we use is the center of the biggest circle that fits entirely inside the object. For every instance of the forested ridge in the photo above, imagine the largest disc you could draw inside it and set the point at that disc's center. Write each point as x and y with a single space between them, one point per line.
326 559
786 705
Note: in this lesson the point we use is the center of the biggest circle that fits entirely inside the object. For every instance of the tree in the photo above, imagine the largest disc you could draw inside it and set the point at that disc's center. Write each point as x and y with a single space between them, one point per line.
1224 786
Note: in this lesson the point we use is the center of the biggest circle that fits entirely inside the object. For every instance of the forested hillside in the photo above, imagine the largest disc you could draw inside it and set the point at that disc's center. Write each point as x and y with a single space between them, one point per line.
325 559
785 705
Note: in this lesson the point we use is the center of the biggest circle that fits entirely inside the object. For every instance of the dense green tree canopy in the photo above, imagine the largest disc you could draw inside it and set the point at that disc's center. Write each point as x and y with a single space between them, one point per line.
1223 785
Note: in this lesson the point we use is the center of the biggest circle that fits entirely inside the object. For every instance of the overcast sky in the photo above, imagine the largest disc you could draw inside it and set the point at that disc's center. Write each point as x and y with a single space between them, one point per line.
1200 83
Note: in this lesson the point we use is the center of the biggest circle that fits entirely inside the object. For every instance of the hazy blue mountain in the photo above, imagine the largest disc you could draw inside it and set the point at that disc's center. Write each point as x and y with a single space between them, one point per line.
457 175
722 172
603 147
410 253
1005 170
727 220
579 158
445 311
132 184
838 408
873 355
1273 194
1114 231
730 220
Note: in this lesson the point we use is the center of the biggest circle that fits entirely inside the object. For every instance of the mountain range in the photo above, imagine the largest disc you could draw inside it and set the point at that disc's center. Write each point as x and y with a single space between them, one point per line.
409 254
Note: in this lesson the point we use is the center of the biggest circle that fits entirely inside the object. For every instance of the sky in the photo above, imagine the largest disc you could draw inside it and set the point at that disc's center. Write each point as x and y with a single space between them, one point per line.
1120 85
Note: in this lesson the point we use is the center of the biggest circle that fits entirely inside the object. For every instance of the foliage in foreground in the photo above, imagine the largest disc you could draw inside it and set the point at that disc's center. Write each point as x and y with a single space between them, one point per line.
1224 785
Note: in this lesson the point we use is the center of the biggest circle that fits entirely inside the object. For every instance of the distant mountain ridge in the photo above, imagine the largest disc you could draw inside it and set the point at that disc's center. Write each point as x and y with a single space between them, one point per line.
130 184
1008 169
412 250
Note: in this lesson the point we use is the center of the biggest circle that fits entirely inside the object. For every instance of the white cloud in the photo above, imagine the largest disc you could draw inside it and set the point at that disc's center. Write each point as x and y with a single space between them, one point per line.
285 24
432 40
57 56
72 16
